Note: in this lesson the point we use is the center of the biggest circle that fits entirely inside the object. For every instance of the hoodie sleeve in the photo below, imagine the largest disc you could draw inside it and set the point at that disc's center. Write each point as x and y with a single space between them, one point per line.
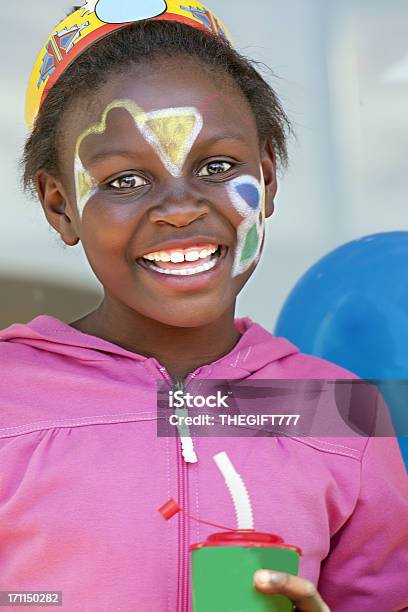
367 566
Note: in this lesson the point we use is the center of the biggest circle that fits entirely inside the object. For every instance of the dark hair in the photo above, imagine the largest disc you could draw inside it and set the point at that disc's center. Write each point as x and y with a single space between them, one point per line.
142 42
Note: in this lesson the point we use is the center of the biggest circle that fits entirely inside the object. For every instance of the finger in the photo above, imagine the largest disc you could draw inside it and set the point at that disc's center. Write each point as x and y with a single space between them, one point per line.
302 592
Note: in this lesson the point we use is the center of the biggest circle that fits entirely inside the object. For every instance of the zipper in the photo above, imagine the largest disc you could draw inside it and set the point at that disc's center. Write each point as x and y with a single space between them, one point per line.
187 445
183 586
186 456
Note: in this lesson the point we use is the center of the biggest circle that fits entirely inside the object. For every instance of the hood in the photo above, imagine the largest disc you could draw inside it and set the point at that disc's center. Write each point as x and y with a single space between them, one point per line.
256 348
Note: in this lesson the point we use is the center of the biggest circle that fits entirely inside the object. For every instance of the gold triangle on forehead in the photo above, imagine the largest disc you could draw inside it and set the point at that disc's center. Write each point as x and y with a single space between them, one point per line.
172 133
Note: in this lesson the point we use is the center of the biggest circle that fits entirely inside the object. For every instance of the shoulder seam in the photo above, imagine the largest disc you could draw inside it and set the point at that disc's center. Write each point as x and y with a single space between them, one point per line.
17 430
330 447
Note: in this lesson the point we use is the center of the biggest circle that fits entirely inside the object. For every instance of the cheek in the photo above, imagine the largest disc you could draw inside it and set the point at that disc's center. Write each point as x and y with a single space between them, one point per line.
248 197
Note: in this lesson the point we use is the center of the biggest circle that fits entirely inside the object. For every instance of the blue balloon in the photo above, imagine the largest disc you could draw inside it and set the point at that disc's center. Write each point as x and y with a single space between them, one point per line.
351 308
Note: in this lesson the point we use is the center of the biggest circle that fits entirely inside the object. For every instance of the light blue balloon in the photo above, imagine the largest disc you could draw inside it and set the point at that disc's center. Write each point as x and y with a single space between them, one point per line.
121 11
351 308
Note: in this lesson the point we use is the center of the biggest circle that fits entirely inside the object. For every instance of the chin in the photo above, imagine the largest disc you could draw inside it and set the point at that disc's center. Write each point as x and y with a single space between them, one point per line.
189 317
192 320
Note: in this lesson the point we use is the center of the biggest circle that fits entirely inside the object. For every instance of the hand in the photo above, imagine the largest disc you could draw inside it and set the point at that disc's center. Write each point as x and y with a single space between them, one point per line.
302 592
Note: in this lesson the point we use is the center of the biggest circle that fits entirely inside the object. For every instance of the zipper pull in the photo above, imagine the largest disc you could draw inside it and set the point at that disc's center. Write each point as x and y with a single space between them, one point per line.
187 445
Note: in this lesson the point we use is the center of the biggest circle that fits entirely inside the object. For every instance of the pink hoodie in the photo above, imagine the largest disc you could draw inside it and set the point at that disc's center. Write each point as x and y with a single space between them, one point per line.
83 472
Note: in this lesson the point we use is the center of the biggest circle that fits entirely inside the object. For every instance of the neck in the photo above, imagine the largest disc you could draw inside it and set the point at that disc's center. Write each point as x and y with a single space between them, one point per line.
180 350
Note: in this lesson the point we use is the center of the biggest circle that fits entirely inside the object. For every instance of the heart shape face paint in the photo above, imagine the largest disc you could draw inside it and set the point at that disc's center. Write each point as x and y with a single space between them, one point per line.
122 11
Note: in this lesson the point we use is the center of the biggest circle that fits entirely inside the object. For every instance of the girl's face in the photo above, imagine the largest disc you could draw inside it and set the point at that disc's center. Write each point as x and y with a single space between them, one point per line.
165 184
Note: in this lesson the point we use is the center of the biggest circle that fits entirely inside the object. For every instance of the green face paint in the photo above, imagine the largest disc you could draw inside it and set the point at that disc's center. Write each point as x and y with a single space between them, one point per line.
251 244
171 132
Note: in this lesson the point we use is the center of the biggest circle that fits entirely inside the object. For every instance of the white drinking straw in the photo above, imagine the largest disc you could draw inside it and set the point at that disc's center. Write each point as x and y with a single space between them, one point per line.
238 491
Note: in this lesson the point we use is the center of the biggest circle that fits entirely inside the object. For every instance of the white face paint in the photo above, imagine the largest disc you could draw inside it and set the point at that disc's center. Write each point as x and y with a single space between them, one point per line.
170 131
248 197
85 185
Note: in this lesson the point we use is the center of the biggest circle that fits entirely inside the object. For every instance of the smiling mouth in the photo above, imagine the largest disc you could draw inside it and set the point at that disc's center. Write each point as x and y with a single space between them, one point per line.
185 268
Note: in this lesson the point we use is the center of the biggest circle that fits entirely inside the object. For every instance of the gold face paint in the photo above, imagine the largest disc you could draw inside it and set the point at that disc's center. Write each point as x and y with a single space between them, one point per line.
171 132
84 184
262 227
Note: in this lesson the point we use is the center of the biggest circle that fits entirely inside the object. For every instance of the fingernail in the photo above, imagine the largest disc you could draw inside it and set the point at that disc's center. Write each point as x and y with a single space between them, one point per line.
275 578
265 577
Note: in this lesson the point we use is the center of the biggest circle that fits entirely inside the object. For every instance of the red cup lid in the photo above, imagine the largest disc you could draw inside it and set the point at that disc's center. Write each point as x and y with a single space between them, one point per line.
245 537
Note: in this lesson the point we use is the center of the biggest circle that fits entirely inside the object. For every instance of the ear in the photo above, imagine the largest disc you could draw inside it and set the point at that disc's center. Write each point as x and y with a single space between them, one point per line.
56 206
268 160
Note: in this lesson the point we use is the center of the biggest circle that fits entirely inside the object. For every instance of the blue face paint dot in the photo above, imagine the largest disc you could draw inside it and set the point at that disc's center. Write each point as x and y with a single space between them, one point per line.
250 194
112 11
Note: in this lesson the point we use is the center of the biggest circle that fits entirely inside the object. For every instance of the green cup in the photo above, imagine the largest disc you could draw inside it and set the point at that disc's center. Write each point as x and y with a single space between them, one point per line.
223 568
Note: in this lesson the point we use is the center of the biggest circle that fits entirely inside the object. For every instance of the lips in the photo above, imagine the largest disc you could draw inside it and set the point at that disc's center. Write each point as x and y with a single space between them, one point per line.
181 273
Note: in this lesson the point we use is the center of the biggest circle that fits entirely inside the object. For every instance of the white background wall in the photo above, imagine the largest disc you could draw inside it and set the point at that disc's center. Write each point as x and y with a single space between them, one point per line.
343 79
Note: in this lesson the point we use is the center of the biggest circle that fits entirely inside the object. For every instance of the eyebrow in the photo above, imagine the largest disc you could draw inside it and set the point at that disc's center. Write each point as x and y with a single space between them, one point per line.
101 155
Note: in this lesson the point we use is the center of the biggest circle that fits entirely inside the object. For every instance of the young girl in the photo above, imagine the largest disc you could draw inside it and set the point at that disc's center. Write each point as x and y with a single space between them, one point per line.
155 144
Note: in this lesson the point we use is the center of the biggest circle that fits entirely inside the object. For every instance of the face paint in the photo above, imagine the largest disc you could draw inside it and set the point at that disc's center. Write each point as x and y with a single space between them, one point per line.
171 132
85 185
263 222
248 197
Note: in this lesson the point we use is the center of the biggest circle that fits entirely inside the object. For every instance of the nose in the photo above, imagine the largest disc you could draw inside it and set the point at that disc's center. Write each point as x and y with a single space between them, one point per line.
179 207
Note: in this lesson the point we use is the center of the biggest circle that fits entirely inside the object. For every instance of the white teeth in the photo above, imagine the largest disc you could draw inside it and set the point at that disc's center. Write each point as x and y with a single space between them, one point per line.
177 257
192 256
180 256
189 271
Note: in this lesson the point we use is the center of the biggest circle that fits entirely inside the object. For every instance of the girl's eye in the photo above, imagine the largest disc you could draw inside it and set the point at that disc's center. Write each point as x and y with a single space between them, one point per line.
129 181
215 167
